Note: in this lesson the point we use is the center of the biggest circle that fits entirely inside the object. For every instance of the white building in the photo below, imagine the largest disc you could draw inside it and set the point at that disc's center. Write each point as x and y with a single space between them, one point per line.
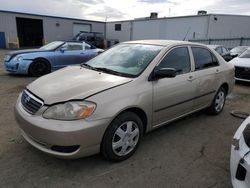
230 30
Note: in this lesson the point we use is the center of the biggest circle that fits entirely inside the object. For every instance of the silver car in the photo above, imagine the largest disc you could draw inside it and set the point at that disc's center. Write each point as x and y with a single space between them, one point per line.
107 104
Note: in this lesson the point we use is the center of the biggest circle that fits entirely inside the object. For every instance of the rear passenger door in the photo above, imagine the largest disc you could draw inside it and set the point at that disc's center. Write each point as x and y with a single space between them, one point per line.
173 97
207 70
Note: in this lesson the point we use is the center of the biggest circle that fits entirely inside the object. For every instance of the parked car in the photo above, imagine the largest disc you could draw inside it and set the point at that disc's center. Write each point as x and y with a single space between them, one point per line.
224 52
50 57
94 38
236 51
107 104
240 156
242 66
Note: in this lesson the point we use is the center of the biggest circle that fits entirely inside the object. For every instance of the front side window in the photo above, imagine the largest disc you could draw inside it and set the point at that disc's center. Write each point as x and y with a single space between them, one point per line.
203 58
128 60
72 46
178 59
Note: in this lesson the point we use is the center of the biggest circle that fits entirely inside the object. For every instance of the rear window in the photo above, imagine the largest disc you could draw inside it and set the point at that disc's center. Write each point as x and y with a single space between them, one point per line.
203 58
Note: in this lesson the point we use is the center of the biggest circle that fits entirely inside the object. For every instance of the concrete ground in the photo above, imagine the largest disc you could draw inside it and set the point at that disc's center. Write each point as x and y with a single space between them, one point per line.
192 152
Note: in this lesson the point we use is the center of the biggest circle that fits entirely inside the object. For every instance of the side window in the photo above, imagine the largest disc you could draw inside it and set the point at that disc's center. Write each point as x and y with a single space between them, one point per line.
178 59
73 46
118 27
224 50
219 50
203 58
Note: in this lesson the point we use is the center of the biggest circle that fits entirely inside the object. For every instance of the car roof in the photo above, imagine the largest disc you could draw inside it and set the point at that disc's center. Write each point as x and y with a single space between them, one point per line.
162 42
214 46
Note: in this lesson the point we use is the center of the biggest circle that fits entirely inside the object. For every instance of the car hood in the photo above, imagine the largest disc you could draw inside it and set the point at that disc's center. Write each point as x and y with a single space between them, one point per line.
17 52
241 62
72 83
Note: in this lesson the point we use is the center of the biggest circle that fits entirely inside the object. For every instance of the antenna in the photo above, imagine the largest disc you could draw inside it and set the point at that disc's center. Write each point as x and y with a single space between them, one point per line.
187 33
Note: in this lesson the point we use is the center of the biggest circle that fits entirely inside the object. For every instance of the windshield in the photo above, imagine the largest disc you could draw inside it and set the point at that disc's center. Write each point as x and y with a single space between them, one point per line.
126 59
52 45
239 49
245 54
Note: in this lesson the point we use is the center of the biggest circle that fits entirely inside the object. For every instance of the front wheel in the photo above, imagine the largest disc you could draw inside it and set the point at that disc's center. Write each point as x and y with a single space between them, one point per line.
39 68
218 102
122 137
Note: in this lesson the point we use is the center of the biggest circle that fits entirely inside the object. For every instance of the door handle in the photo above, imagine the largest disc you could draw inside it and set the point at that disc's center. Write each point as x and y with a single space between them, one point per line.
190 78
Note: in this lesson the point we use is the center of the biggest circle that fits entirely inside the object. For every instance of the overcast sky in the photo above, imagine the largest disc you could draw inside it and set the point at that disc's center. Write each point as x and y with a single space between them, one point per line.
124 9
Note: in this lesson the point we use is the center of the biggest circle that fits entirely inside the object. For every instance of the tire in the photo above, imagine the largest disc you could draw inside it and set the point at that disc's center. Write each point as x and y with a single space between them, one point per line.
218 102
122 137
39 68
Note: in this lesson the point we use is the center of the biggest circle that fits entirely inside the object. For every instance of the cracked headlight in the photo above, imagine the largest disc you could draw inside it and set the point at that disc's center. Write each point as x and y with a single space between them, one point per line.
72 110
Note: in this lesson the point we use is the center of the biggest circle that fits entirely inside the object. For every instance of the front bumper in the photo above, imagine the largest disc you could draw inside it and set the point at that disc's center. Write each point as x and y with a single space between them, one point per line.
45 134
16 67
237 154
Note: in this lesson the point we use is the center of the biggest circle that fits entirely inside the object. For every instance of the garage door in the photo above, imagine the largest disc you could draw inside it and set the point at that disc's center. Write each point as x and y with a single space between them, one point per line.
81 27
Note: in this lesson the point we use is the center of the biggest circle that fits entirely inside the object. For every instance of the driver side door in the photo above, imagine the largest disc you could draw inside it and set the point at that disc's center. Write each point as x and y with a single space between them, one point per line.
173 97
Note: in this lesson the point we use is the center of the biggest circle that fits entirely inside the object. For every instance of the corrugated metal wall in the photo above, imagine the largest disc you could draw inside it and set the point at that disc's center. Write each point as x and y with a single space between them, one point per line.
227 42
54 28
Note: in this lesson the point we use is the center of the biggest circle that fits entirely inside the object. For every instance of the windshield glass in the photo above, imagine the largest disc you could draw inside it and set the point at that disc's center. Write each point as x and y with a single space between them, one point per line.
245 54
126 59
52 45
239 49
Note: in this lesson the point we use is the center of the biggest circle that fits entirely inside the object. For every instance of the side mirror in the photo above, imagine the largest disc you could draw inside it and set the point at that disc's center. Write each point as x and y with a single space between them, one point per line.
162 73
63 49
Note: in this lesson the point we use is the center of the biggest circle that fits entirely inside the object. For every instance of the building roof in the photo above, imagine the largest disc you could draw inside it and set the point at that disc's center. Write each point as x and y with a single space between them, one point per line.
162 42
41 15
176 17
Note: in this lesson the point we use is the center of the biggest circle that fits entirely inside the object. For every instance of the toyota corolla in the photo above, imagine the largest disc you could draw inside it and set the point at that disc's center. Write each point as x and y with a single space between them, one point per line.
107 104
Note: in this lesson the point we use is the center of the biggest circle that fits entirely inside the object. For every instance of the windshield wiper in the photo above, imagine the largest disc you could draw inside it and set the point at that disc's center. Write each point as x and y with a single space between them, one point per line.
88 66
110 71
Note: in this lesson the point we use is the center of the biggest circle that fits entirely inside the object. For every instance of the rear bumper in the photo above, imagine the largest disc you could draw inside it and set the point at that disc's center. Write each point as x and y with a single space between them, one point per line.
46 134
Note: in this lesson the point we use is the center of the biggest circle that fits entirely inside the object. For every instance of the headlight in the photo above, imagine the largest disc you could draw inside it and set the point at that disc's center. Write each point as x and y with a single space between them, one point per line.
70 110
7 58
18 58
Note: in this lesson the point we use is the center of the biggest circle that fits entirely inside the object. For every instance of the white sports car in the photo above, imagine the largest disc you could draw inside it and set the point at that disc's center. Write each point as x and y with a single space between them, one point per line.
240 156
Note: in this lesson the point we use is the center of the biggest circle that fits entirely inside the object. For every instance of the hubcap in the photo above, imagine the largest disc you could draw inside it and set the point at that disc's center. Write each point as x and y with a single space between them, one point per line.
219 101
125 138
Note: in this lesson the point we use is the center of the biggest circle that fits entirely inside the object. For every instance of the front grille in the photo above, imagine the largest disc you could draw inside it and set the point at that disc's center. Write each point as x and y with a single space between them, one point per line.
242 72
30 103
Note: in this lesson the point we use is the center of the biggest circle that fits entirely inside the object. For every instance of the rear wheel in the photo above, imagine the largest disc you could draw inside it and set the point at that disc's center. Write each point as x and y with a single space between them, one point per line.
218 102
122 137
39 68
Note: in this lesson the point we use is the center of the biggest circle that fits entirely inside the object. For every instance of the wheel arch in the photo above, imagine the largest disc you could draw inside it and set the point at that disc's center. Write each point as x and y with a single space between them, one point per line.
40 59
225 86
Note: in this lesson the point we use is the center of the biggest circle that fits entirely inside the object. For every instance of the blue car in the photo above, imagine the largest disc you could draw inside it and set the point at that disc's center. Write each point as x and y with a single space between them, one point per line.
48 58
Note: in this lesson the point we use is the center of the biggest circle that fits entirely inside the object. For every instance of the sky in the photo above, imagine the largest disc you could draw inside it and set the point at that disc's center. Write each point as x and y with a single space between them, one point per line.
112 10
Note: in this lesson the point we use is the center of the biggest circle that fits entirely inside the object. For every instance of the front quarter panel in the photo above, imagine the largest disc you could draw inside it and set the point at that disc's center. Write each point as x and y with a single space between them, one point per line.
135 94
